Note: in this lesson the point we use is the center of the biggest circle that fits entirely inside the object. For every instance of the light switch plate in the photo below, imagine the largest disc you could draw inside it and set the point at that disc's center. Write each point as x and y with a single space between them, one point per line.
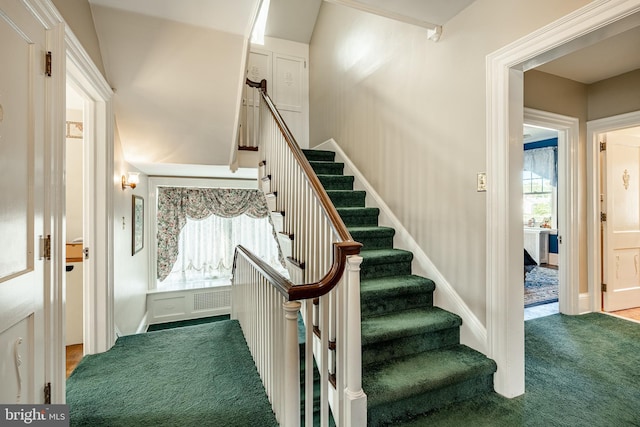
482 181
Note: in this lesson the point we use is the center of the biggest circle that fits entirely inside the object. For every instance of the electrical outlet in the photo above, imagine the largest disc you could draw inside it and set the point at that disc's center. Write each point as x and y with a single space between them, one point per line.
482 181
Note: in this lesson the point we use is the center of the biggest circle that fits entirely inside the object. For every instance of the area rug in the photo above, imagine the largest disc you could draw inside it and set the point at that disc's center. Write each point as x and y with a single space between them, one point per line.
540 286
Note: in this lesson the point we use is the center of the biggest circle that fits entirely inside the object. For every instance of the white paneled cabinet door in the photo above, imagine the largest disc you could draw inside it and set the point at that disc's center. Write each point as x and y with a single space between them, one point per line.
22 109
259 67
287 86
288 94
622 226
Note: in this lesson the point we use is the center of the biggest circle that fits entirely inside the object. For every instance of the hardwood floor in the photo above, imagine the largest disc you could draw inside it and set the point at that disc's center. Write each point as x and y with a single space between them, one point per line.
74 355
631 313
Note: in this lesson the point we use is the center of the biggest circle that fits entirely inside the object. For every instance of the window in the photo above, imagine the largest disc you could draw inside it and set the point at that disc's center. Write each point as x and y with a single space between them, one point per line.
539 187
206 249
538 199
197 230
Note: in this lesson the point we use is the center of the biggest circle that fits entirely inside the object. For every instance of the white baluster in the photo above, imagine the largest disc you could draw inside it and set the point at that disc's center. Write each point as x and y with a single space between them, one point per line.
292 365
355 399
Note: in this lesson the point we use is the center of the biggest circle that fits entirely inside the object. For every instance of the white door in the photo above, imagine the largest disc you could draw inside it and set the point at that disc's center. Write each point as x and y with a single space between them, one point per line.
22 126
258 68
621 260
289 94
287 86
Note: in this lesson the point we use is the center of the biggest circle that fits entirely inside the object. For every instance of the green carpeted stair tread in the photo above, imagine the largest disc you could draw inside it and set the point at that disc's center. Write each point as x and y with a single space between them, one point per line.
359 216
319 155
387 287
336 182
385 256
395 293
347 198
407 323
327 168
373 237
385 263
402 378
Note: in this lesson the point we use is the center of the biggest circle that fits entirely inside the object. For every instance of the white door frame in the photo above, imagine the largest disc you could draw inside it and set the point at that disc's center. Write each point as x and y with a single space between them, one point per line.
99 334
594 129
98 195
568 243
505 74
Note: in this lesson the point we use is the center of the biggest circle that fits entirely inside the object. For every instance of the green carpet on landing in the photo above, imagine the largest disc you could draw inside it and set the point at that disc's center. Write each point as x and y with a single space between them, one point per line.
190 322
194 376
580 371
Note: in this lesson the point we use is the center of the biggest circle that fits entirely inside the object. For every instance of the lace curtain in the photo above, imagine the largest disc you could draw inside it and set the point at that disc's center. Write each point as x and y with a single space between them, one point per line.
542 162
177 204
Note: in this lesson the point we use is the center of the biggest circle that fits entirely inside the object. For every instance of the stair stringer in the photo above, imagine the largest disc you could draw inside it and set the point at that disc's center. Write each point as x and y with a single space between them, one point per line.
472 332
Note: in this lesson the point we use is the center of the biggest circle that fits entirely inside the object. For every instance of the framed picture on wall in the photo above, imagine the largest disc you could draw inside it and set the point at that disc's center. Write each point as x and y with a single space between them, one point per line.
137 230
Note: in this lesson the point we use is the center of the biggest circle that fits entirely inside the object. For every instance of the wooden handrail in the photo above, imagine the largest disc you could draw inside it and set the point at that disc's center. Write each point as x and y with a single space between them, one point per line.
312 178
262 84
341 249
293 292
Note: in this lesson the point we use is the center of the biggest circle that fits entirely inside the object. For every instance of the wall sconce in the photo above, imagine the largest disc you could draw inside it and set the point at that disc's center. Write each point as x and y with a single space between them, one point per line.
132 181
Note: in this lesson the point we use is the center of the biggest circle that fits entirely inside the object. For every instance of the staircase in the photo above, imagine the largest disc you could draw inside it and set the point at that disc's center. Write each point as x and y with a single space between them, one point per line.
412 358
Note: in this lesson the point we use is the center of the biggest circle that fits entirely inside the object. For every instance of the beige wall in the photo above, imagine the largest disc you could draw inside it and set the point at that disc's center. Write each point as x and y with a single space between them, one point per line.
411 114
130 272
77 14
617 95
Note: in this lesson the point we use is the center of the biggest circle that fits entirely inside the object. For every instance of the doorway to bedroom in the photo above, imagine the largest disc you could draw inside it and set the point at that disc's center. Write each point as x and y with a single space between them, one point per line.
541 183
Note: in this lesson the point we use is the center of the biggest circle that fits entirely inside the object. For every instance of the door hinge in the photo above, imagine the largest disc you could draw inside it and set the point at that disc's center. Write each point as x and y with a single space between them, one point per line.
85 251
603 216
47 394
559 240
47 66
604 287
603 146
45 247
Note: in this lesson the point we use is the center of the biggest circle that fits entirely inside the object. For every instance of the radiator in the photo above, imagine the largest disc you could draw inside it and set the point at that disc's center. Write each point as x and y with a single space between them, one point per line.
171 306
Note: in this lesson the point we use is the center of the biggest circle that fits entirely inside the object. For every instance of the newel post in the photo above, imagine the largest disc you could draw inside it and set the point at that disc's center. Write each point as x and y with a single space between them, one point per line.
291 365
355 399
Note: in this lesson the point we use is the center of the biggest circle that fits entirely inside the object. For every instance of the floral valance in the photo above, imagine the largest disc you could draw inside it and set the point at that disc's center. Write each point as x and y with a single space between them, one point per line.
175 204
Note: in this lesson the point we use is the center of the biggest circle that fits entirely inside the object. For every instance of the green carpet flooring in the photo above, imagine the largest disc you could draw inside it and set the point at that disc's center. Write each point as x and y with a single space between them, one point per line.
412 358
580 371
190 322
200 375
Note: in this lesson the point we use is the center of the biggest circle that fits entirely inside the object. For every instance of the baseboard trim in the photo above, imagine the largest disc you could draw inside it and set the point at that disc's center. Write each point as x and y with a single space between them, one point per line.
144 324
472 332
584 303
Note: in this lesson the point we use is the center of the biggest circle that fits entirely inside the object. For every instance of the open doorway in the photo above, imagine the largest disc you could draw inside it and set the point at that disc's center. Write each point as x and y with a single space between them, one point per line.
505 118
540 189
74 167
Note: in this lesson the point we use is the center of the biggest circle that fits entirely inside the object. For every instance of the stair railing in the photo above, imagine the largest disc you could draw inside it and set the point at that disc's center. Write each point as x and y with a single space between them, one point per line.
324 266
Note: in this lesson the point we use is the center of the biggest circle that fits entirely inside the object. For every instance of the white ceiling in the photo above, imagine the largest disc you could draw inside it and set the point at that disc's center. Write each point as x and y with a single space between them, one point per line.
288 19
229 16
176 86
599 61
536 133
434 11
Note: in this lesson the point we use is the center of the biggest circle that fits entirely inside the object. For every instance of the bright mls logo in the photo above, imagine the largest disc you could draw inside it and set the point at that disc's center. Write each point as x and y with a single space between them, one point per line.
37 415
